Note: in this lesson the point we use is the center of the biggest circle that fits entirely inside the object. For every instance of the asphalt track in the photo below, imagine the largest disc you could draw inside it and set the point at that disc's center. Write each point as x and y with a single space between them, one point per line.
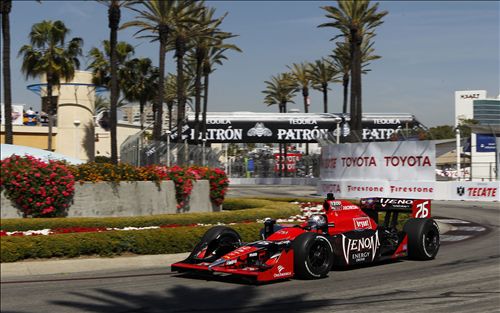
465 277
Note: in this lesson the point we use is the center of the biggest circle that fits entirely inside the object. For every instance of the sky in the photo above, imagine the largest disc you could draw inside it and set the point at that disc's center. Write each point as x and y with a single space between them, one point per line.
429 50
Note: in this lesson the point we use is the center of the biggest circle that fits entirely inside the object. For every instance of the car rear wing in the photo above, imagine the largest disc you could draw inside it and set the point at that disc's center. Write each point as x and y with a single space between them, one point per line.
419 208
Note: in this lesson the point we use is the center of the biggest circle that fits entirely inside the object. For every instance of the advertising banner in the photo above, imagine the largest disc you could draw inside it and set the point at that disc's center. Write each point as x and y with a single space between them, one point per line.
404 169
377 188
485 143
253 127
17 114
291 162
478 191
403 160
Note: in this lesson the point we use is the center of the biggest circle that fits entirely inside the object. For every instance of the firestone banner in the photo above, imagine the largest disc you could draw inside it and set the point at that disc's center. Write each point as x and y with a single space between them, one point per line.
391 169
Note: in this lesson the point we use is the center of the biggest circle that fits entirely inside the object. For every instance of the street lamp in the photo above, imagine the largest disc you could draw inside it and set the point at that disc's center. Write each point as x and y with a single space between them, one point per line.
168 147
457 133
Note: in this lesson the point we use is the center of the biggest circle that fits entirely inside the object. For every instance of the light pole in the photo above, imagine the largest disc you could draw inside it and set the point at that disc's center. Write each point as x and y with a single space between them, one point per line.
168 147
457 133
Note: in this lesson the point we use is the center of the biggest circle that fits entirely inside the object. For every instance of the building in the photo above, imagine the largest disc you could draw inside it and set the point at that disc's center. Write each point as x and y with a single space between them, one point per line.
474 104
76 133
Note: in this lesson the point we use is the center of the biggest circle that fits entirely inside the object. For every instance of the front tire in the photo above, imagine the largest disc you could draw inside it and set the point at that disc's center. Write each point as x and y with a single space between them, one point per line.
216 242
313 256
423 238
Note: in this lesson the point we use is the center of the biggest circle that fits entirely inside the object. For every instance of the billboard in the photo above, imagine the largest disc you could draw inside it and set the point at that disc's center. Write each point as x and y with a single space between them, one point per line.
485 143
403 169
253 127
17 114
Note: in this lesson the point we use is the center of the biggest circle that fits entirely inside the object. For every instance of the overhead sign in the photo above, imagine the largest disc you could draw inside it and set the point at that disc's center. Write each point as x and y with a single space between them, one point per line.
248 127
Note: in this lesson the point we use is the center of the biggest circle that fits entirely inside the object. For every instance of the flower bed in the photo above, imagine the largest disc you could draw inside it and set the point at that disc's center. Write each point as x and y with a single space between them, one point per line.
43 189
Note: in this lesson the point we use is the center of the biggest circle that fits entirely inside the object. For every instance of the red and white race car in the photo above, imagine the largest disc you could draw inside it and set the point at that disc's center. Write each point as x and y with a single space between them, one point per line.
345 234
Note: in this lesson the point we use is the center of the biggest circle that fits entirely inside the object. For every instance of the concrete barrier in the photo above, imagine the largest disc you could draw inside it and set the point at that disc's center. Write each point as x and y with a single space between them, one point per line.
139 198
301 181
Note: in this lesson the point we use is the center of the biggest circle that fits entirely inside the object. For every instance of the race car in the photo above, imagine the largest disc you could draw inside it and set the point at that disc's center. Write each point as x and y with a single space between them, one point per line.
345 234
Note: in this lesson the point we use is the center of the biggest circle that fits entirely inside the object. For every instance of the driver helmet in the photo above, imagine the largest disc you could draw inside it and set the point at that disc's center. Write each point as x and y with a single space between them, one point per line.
317 221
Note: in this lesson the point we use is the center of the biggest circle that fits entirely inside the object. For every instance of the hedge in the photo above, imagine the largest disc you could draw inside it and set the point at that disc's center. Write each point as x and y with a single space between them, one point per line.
268 209
112 243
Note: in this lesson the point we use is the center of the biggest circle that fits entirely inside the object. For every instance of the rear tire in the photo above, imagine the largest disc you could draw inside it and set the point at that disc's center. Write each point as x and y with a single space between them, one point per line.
313 256
217 241
423 238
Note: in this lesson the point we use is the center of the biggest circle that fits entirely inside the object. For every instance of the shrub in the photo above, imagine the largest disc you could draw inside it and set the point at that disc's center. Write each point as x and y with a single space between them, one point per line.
273 210
156 241
38 189
218 182
102 159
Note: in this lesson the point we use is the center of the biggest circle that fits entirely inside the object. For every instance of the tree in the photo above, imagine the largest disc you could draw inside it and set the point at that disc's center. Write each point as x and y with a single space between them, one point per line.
159 18
280 90
48 56
6 7
183 31
356 20
100 63
322 73
201 45
301 75
341 59
139 82
215 56
114 15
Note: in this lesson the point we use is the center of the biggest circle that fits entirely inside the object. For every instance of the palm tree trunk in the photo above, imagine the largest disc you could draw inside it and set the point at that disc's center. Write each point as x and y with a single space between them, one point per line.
157 129
305 94
6 7
356 110
180 47
325 97
205 105
50 110
345 83
114 21
142 103
170 105
197 88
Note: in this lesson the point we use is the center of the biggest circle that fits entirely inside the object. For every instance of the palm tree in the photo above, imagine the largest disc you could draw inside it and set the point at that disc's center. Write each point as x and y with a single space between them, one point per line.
6 7
322 73
280 90
114 14
300 73
139 82
355 19
100 64
160 18
201 45
49 56
215 56
183 32
341 58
